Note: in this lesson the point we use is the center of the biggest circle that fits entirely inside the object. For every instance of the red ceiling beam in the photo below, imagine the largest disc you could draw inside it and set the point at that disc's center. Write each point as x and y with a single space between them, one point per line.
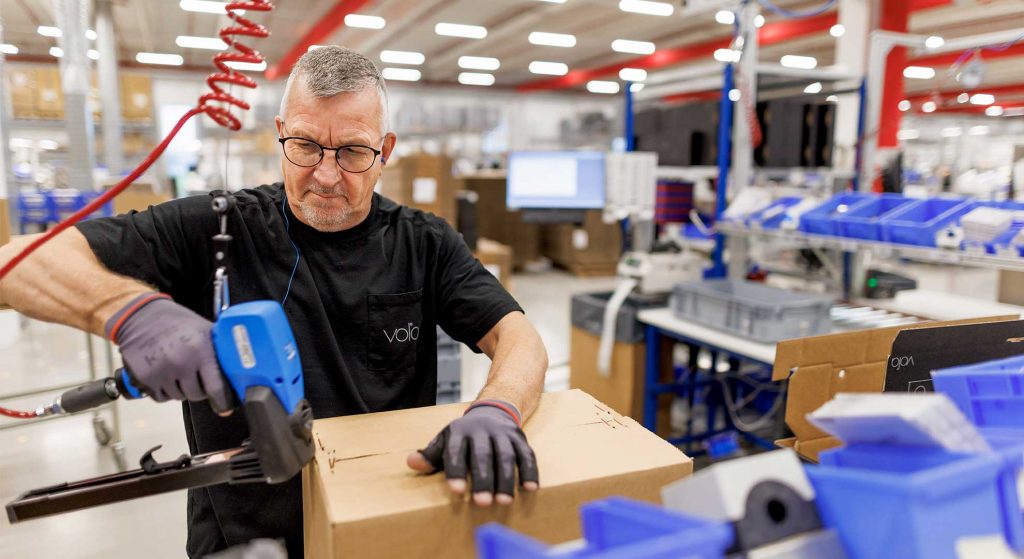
949 58
323 29
693 96
770 34
928 4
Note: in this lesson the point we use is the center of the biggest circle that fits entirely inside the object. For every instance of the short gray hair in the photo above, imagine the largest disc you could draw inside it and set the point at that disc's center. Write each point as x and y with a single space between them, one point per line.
329 70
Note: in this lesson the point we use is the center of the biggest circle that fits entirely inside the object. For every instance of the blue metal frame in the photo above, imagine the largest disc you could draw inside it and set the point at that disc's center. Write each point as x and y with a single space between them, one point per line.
718 267
627 129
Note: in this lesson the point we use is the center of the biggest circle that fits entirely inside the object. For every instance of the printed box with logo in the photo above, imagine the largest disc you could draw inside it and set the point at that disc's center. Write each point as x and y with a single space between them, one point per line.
819 367
360 499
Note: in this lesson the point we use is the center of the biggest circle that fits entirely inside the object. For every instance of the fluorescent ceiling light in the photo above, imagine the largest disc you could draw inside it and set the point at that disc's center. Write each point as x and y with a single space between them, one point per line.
813 88
554 1
473 78
951 132
904 105
919 72
401 74
247 66
314 47
208 43
206 7
934 42
49 31
159 58
90 34
636 87
647 7
963 98
908 134
734 95
459 30
479 63
837 30
725 17
759 21
632 74
56 52
549 68
364 22
994 110
982 99
47 144
978 130
93 54
727 55
552 39
632 47
7 48
832 98
402 57
928 106
600 86
801 62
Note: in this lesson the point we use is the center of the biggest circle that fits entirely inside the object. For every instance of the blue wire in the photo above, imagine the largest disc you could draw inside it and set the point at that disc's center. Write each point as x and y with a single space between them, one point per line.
787 13
287 229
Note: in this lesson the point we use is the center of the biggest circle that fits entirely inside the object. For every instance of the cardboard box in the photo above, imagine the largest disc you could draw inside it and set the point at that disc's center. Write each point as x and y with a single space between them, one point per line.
423 182
49 97
139 197
496 221
5 222
21 83
360 499
591 250
136 97
819 367
623 388
497 258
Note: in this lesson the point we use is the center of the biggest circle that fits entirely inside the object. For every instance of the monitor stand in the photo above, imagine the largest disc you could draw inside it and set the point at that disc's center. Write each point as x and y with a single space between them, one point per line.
553 215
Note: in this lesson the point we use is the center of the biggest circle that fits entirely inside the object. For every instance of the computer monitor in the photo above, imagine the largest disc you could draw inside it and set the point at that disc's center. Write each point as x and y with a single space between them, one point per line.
556 180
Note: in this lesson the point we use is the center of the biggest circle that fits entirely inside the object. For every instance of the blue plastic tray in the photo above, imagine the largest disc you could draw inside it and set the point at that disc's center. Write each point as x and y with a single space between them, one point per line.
917 223
772 215
861 220
618 528
915 503
991 394
821 220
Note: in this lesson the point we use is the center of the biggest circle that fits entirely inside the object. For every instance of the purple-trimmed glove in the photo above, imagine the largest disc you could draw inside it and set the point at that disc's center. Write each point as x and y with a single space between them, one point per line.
487 443
168 351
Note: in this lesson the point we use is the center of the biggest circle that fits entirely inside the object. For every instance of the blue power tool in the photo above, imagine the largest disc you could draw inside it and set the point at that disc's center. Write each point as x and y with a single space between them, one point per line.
258 355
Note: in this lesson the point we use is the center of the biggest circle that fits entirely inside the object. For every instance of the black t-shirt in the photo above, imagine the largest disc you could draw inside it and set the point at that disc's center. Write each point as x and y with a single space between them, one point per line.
363 304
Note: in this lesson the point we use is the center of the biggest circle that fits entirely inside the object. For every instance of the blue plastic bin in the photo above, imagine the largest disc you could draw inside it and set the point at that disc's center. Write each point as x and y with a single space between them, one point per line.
106 210
914 502
991 394
917 223
821 220
1004 244
33 209
772 215
861 220
618 528
64 202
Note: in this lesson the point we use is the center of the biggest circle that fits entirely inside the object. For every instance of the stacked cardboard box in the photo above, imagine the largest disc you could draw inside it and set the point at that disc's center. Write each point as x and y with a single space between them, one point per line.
591 250
496 221
136 97
423 182
21 82
497 258
49 98
36 93
139 197
5 222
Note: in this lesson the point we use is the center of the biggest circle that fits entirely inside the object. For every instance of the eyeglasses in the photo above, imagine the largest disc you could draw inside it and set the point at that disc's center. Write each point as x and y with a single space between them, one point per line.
307 153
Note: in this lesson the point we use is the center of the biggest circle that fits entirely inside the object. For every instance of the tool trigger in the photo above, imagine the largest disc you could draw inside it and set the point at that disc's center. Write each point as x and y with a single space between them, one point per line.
151 466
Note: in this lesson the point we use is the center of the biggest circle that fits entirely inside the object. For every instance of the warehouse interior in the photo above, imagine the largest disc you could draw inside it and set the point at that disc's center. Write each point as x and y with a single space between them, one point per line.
770 256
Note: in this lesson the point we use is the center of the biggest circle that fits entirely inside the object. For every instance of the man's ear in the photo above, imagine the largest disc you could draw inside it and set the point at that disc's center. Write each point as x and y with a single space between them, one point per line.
279 123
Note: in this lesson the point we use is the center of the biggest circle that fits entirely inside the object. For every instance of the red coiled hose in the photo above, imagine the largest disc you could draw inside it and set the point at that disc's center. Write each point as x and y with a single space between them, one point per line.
221 114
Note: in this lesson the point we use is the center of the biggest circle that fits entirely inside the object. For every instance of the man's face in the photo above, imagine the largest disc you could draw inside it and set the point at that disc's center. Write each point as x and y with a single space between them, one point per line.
324 196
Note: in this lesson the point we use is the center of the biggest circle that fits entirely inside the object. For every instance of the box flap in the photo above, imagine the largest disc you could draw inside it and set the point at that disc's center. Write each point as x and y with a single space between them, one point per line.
361 459
818 367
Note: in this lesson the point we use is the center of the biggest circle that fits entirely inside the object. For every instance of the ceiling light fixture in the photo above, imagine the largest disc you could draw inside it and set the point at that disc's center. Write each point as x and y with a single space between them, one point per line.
734 95
727 55
49 31
813 89
159 58
473 78
479 63
402 57
725 17
208 43
908 134
632 74
56 52
759 21
963 98
994 110
919 72
401 74
247 66
647 7
904 106
93 54
800 62
548 68
982 99
600 86
91 34
7 48
928 106
552 39
206 7
934 42
636 87
837 30
364 22
633 47
460 30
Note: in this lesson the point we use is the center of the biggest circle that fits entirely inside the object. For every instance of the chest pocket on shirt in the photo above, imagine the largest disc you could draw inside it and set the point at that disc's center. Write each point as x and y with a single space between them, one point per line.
395 322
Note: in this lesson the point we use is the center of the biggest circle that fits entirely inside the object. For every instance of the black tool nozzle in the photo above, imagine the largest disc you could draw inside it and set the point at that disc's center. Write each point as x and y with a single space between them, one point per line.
90 395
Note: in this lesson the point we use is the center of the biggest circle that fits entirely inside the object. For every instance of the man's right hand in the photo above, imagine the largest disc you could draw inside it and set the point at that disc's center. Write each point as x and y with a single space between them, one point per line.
168 350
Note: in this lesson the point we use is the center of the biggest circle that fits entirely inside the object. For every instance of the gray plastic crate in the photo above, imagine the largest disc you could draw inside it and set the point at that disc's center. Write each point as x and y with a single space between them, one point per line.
449 368
752 310
588 314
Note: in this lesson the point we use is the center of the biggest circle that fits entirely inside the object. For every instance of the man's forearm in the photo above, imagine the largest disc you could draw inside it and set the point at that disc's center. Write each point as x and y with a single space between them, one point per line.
519 364
64 282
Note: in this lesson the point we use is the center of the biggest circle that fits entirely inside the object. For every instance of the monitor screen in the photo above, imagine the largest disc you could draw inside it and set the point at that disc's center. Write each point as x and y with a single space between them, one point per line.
556 179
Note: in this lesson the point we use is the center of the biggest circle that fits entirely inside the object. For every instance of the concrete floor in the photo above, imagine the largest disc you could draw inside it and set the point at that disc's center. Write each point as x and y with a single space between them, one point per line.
38 355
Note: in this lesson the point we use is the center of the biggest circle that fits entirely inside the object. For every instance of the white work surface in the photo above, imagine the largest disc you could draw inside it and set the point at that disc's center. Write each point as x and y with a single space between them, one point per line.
942 306
738 346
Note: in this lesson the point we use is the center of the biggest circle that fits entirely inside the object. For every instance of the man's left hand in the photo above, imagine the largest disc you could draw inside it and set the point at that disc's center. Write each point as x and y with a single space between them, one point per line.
488 444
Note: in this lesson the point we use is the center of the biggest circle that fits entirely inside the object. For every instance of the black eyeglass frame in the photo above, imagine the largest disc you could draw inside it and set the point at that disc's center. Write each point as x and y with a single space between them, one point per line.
337 150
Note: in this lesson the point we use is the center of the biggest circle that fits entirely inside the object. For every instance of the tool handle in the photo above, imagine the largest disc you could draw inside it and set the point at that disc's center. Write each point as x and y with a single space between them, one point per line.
90 395
126 385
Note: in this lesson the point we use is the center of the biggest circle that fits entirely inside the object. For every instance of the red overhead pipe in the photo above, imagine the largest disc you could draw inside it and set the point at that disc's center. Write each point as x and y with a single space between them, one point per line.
709 95
323 29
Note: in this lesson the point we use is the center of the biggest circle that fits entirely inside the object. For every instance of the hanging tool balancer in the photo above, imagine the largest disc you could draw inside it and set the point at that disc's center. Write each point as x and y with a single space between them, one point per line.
258 355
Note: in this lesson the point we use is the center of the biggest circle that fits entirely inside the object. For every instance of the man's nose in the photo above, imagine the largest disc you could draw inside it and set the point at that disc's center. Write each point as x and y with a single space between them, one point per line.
327 172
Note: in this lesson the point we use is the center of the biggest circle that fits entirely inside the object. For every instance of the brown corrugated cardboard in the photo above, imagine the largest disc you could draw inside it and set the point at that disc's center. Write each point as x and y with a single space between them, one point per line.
5 222
423 182
819 367
496 221
497 258
139 197
360 499
591 250
623 388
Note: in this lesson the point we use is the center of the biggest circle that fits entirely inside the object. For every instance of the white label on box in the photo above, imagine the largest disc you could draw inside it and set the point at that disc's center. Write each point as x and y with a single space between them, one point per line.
494 269
424 190
48 95
580 239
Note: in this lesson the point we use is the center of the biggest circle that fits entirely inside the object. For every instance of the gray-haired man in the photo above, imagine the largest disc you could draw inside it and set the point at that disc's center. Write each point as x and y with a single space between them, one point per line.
351 268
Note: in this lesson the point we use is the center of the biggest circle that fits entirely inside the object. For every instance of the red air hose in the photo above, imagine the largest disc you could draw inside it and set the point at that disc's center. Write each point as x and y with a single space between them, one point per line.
221 114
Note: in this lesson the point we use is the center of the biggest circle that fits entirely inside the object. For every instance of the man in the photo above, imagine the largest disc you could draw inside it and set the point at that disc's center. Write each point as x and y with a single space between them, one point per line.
351 269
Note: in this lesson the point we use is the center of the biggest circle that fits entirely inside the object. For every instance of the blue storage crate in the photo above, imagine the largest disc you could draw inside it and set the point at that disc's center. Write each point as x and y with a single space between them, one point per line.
919 222
64 202
33 209
618 528
106 210
821 220
861 221
914 502
772 215
990 394
1004 244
